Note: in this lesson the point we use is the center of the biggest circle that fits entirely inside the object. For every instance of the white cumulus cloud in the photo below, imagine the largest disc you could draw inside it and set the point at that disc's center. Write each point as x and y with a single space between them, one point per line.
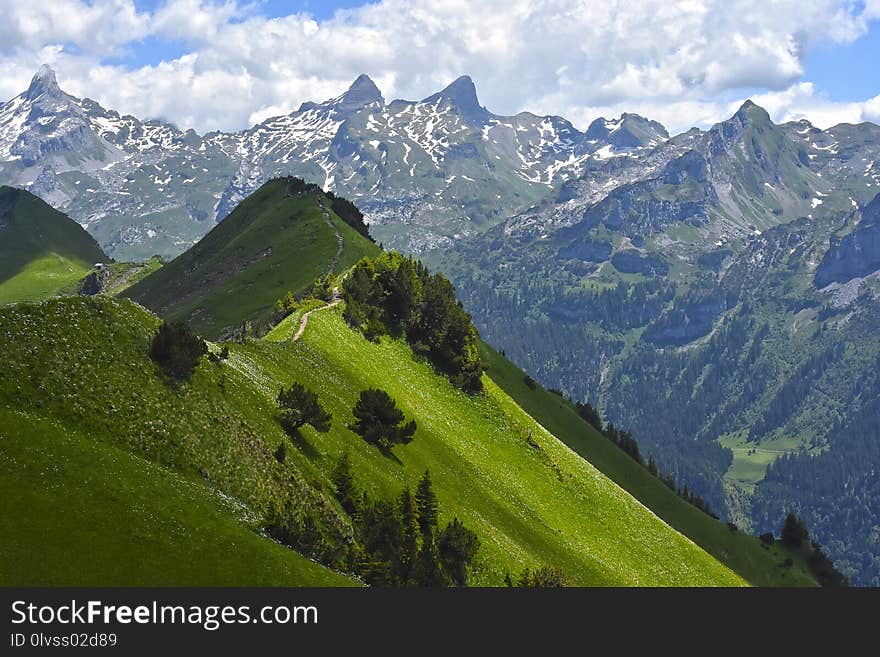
679 61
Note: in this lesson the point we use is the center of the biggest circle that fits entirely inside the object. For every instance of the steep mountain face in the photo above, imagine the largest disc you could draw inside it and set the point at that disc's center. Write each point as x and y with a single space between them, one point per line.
52 126
742 175
856 253
426 173
714 295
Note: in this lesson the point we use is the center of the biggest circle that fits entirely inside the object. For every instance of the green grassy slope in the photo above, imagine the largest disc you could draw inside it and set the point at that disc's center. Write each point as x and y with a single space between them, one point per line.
269 244
125 274
81 364
530 505
78 512
42 252
742 553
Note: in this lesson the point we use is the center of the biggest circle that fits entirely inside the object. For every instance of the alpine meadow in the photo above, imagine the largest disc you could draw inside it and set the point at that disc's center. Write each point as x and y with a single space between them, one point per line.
253 338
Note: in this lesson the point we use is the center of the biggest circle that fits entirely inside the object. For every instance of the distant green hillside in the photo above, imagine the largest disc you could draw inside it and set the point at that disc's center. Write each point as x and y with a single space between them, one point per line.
82 364
761 566
42 252
274 241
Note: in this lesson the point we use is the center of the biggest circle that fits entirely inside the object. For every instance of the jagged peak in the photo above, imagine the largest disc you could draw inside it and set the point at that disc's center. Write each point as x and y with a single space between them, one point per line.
749 111
462 93
44 82
462 88
364 84
362 92
629 130
629 117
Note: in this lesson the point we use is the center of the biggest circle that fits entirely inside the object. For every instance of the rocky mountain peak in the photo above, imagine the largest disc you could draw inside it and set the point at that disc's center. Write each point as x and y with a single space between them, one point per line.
461 94
747 119
362 92
629 131
749 112
43 84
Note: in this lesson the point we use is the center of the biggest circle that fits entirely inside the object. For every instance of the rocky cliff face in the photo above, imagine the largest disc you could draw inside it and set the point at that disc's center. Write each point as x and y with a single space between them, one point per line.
856 254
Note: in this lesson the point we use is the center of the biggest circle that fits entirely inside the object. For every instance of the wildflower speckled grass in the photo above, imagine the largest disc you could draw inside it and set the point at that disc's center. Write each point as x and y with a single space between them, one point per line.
81 364
760 564
531 500
79 512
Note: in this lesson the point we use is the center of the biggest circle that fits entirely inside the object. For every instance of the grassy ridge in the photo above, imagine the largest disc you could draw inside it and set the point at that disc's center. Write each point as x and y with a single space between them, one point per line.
125 274
741 552
80 512
269 244
42 252
81 363
530 504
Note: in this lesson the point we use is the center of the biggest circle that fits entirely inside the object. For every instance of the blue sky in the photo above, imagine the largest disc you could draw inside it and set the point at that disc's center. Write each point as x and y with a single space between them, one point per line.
225 64
843 72
847 71
153 50
317 8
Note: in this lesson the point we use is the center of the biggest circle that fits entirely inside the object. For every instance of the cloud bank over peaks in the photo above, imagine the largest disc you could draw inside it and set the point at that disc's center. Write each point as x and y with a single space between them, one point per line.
682 62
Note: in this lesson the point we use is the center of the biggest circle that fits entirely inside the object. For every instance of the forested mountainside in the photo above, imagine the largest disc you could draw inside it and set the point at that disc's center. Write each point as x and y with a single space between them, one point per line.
723 307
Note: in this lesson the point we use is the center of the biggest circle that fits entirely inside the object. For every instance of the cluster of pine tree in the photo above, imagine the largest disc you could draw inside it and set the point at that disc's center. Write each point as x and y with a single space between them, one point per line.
323 288
284 307
796 536
545 577
393 543
349 213
625 441
177 350
399 543
399 295
298 186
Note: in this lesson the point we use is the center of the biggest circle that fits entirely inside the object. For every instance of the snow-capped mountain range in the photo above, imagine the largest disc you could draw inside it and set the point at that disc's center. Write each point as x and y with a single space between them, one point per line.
425 172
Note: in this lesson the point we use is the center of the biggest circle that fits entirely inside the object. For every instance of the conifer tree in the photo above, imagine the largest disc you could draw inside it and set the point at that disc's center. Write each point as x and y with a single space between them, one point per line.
177 350
426 502
281 453
427 571
410 523
457 546
343 481
794 532
379 421
300 407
